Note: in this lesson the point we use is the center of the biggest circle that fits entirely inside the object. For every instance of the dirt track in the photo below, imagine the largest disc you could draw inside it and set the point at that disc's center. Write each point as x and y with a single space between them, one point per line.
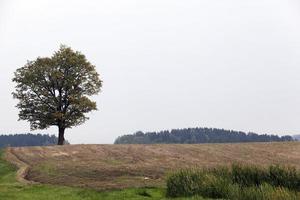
121 166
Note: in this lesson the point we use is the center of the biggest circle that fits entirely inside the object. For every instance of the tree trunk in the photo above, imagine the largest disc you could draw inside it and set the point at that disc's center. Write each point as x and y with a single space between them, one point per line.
61 138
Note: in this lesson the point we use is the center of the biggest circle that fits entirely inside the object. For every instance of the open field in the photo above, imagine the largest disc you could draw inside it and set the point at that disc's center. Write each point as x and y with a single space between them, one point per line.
103 167
11 189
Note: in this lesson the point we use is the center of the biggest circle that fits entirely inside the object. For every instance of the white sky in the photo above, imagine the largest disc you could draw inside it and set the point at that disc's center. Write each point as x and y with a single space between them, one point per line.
232 64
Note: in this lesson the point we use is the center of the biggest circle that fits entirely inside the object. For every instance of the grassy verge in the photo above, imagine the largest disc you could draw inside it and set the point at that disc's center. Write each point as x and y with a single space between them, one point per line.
237 183
10 189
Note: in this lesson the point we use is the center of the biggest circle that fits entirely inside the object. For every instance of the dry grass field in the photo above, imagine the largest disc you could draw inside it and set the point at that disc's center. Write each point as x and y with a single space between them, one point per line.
123 166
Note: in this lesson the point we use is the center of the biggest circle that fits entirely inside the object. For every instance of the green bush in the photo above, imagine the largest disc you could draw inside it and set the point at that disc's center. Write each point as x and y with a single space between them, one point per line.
285 177
265 192
275 175
184 183
213 186
196 182
247 176
236 183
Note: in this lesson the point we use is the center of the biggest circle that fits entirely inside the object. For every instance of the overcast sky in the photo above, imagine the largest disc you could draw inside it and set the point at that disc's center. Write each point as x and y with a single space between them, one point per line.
232 64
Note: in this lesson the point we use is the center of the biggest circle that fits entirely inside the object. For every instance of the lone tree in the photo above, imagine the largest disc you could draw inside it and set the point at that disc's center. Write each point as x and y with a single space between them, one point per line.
54 91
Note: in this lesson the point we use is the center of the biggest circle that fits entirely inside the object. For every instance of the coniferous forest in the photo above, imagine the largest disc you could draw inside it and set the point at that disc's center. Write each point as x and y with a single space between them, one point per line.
198 135
28 139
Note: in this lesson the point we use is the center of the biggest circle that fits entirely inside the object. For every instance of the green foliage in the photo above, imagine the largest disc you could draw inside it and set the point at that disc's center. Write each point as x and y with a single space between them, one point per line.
248 175
54 91
196 182
238 182
287 177
184 183
21 140
275 175
197 135
264 192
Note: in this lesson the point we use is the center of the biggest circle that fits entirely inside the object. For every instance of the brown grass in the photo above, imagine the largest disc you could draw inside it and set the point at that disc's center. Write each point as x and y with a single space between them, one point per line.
122 166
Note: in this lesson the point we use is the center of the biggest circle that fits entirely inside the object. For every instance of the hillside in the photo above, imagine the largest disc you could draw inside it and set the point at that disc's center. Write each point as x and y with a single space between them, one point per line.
198 136
123 166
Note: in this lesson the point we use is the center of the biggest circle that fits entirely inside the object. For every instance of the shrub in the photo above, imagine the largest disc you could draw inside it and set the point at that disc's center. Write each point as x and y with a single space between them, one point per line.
196 182
278 193
184 183
213 186
247 176
236 183
285 177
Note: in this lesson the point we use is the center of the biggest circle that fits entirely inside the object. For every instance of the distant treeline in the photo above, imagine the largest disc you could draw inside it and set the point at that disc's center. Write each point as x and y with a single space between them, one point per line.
28 139
296 137
197 135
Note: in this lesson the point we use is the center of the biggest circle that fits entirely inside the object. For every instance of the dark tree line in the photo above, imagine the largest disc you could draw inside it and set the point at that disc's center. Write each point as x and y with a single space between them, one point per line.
19 140
296 137
198 135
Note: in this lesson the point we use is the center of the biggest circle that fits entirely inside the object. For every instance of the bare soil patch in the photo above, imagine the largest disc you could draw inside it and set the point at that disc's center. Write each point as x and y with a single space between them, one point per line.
123 166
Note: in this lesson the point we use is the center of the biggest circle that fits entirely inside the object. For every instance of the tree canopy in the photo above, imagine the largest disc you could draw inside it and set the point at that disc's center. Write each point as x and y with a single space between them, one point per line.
27 139
197 135
54 91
